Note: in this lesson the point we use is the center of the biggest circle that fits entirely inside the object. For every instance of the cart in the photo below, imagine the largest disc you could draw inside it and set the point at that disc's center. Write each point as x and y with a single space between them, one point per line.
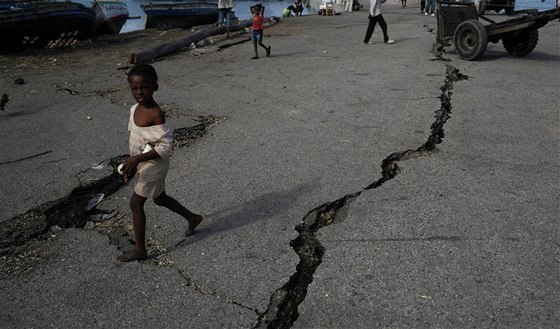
458 22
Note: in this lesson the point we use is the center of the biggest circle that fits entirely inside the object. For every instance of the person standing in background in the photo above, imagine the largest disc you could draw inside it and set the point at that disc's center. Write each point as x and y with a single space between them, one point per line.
374 18
258 26
430 7
349 5
298 7
224 13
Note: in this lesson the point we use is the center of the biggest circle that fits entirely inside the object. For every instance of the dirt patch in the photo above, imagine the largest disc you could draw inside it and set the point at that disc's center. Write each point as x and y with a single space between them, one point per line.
22 258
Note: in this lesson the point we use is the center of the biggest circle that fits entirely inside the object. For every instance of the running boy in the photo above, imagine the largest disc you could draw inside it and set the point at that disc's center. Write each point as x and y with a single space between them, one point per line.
147 126
258 19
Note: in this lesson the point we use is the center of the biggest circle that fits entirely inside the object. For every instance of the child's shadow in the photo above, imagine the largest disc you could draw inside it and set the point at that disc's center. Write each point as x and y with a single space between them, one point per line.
261 208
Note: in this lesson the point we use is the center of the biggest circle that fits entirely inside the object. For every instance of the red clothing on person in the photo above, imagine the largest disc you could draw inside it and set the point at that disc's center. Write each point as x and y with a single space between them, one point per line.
257 22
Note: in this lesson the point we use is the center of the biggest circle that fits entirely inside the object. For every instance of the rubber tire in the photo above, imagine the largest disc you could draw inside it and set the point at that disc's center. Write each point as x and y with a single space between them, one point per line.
480 6
522 44
470 39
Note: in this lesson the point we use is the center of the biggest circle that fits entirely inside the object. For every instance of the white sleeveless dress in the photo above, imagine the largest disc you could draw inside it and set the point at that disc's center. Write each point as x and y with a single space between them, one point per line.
151 173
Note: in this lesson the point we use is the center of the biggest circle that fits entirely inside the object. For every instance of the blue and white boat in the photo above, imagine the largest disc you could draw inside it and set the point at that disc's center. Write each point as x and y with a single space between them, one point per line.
110 16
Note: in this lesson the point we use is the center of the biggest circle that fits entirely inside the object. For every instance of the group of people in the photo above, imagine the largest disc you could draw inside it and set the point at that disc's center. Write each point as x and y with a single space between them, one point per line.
296 8
375 17
428 7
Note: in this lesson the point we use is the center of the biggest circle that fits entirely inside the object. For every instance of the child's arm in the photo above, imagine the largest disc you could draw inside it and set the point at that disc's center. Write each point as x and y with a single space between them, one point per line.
262 11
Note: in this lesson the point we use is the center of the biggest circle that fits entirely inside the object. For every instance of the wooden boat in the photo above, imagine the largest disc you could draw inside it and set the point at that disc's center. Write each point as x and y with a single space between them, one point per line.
110 16
184 15
40 24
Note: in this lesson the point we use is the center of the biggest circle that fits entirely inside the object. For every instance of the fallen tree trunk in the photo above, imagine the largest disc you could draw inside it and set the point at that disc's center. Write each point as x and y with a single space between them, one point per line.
178 45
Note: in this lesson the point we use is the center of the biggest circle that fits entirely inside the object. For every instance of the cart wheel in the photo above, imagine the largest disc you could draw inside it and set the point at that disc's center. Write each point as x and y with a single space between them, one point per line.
470 39
480 6
522 44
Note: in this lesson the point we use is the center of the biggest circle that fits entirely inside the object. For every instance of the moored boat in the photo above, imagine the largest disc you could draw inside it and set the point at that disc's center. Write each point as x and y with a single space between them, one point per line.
184 15
40 24
110 16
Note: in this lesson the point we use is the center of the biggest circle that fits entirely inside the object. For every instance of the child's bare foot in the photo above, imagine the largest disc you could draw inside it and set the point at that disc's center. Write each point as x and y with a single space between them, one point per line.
255 57
132 255
192 225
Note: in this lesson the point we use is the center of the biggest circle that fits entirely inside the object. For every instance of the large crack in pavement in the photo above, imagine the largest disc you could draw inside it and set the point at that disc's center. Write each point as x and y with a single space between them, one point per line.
73 210
282 310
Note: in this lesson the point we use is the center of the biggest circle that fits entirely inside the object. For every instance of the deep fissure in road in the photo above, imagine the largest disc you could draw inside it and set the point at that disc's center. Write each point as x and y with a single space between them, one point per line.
282 310
72 210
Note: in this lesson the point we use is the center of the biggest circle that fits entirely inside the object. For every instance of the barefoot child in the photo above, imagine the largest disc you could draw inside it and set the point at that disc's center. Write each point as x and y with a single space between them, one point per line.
147 126
258 20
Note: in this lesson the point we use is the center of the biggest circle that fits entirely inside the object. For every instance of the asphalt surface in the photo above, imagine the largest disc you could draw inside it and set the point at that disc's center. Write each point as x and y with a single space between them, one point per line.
464 236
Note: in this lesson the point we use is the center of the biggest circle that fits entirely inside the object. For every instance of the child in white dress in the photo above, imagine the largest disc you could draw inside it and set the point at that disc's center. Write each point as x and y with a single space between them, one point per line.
147 126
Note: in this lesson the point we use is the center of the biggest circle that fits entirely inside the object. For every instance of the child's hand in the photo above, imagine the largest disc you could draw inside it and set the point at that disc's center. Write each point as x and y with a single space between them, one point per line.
129 168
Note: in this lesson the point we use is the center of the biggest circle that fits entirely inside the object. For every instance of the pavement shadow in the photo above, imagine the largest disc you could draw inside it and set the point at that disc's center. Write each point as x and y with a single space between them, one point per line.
261 208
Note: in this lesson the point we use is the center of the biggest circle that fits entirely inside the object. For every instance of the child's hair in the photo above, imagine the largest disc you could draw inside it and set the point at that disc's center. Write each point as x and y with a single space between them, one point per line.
144 70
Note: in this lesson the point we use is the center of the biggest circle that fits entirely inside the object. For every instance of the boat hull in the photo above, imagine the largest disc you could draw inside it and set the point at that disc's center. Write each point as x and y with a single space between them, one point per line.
43 24
180 15
110 16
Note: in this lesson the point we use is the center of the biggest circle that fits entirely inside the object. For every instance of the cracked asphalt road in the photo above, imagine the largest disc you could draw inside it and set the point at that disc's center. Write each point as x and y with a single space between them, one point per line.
464 237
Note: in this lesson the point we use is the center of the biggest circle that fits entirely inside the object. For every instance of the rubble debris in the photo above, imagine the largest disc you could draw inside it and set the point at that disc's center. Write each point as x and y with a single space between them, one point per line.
94 201
89 225
55 229
74 210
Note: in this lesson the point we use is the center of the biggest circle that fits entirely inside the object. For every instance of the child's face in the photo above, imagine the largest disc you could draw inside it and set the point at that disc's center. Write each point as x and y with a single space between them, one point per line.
142 89
257 10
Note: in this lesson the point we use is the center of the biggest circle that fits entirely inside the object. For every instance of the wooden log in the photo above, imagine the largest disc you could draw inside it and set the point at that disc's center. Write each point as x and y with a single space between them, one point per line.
180 44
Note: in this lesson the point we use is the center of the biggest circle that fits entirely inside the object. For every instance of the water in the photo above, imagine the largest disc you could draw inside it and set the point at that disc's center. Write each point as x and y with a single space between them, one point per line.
241 10
273 8
540 5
